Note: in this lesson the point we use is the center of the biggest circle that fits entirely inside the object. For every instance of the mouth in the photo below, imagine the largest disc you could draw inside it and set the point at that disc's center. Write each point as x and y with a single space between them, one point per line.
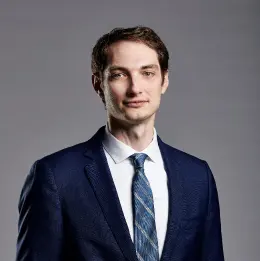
135 104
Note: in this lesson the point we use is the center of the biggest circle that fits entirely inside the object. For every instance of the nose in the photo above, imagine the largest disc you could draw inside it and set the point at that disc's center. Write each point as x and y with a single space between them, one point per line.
134 86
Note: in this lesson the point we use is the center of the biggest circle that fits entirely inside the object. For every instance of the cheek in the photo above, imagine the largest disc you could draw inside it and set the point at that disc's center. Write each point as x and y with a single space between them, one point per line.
114 93
155 91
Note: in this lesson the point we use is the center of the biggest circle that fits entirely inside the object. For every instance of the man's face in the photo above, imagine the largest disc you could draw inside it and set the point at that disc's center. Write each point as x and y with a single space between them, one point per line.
132 82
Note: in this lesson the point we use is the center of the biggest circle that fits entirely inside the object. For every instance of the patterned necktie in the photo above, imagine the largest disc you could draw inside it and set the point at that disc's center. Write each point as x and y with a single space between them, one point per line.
145 236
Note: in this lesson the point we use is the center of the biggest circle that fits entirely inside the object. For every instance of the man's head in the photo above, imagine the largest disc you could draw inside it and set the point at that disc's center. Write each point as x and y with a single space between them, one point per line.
130 65
140 34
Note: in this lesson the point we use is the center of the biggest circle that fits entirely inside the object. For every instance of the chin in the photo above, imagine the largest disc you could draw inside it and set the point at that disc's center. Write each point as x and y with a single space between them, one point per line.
134 116
138 117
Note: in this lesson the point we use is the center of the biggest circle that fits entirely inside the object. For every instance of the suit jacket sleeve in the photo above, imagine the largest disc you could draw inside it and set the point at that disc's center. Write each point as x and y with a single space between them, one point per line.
40 222
212 248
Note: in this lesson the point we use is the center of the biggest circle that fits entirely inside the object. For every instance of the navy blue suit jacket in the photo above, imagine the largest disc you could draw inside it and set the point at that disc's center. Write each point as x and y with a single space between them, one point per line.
69 209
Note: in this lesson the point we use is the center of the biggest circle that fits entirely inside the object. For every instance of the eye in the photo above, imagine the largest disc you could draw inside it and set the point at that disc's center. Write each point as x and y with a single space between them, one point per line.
148 74
115 76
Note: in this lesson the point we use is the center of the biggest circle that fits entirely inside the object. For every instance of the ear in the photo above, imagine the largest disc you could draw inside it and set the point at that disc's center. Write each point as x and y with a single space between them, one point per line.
97 84
165 82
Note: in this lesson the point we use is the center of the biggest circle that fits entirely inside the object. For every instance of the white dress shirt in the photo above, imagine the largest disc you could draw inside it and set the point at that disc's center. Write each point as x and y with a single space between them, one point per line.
122 171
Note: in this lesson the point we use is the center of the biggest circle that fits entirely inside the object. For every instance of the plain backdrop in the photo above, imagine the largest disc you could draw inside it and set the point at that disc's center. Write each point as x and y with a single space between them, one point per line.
211 108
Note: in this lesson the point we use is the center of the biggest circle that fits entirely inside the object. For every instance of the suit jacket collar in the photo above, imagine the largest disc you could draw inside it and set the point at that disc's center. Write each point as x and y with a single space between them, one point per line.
100 178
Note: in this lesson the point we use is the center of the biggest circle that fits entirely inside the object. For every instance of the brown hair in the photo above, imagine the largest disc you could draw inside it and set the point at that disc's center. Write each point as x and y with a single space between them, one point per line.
139 34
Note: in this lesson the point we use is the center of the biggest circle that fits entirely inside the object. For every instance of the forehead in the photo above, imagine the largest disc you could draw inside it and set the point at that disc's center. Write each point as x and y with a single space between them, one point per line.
131 54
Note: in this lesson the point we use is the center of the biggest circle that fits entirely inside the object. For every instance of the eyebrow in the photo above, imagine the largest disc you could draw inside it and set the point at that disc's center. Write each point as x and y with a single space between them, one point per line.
149 66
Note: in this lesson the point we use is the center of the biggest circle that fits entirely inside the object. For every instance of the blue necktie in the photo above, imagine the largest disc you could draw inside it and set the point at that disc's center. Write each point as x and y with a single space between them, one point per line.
145 236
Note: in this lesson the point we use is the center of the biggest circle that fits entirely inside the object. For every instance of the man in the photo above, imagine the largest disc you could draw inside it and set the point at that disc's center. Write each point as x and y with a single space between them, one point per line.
124 194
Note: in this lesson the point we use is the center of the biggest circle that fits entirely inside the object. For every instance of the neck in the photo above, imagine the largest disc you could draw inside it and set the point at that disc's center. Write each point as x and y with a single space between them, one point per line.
138 136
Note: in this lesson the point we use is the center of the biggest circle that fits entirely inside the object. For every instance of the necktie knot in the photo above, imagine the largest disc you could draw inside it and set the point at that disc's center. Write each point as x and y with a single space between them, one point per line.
138 159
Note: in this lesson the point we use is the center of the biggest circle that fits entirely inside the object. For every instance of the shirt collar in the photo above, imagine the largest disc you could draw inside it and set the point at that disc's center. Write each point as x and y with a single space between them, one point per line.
119 151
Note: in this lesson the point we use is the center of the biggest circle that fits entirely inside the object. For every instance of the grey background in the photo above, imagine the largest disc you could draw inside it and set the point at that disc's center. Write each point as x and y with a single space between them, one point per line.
211 108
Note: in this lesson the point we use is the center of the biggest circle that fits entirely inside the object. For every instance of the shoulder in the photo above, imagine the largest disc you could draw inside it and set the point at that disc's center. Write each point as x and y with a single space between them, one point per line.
193 173
180 156
70 161
191 167
64 156
73 154
56 163
58 170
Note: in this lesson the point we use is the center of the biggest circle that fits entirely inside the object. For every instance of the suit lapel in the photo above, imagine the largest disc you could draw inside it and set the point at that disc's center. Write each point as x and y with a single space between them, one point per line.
100 178
175 189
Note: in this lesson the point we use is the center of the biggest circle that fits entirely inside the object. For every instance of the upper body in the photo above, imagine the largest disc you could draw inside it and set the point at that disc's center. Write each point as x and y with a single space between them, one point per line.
76 204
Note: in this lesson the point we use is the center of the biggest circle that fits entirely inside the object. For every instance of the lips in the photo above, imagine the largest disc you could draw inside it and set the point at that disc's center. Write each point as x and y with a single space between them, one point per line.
138 101
135 104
